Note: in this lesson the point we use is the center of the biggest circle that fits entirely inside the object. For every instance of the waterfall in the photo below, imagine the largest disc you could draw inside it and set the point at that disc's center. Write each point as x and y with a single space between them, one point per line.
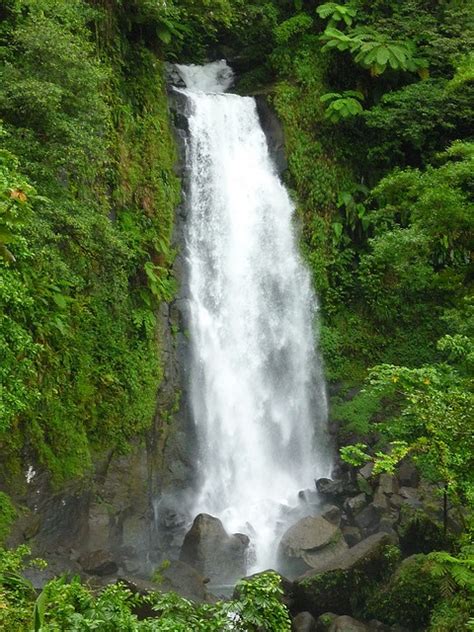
257 392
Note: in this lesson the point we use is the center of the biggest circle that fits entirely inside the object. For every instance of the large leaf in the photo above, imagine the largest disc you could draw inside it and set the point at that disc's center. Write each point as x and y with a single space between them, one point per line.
353 107
382 55
326 9
329 96
354 93
337 228
335 38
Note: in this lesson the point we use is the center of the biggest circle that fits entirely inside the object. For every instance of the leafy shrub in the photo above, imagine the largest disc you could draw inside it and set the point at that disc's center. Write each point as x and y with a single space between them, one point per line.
294 26
16 593
69 605
411 584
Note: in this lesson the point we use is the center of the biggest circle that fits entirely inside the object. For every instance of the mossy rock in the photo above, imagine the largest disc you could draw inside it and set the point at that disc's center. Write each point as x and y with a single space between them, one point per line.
330 591
409 597
419 533
325 621
342 585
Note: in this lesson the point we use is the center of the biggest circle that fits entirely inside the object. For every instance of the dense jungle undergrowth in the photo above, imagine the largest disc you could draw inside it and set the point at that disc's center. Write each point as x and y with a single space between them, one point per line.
376 99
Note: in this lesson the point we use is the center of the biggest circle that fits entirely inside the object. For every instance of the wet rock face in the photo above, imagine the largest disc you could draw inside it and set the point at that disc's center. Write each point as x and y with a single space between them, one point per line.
100 563
273 131
173 76
108 512
213 552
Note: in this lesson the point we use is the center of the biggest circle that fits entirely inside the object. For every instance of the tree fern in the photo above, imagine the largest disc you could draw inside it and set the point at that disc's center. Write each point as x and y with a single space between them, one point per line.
336 13
458 572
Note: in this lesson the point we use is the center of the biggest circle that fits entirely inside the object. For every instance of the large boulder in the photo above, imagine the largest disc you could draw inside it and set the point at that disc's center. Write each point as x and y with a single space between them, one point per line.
183 579
312 541
325 621
407 474
100 563
368 518
303 622
335 489
355 504
337 584
332 514
213 552
364 555
347 624
388 484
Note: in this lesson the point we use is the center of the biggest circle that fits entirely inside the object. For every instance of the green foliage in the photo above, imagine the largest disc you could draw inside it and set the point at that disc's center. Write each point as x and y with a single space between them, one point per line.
413 123
69 605
358 412
17 595
157 576
342 106
15 195
437 201
89 259
355 454
414 584
379 269
399 261
293 26
456 572
374 50
456 576
186 29
337 13
8 514
259 605
179 614
464 74
422 231
427 414
162 285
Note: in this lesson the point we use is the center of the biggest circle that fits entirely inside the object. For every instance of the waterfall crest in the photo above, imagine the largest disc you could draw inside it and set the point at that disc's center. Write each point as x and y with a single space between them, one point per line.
257 392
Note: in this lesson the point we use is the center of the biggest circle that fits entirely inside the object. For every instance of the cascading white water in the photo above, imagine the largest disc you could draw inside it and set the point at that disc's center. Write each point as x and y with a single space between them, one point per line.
258 396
